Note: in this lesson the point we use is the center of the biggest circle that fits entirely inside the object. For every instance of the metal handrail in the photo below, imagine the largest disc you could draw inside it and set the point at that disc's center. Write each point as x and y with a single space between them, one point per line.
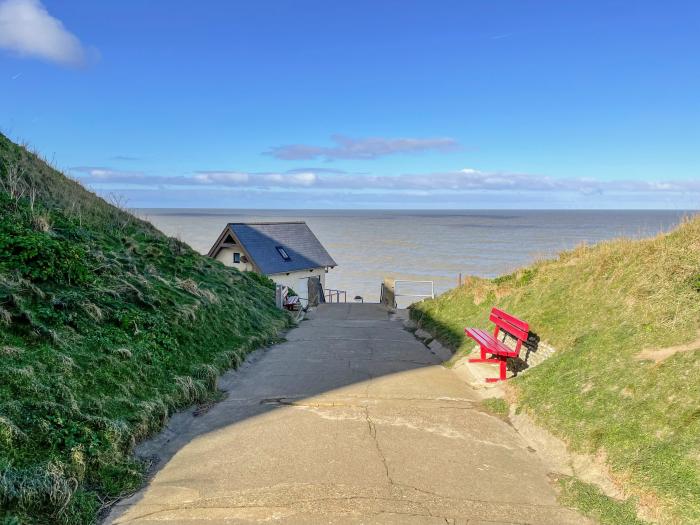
329 293
388 291
431 294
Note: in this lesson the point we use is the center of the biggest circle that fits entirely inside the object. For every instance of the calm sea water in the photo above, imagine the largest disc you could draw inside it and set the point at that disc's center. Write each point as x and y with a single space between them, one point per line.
425 245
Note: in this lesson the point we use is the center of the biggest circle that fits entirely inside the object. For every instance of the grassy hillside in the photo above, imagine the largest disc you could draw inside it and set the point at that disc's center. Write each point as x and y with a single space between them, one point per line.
106 327
600 306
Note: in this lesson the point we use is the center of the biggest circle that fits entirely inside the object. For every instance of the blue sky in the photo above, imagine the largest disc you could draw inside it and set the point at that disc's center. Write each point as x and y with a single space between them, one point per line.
381 104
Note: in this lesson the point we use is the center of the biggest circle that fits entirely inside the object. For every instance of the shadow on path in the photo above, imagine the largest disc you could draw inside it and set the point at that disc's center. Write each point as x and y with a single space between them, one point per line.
351 420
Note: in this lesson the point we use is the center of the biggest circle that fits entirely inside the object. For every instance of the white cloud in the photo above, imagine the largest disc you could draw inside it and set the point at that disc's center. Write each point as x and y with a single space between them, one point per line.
221 177
367 148
27 28
303 179
462 181
101 173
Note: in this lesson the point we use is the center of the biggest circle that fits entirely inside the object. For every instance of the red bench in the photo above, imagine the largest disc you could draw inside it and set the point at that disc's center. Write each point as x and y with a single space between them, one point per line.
490 344
291 302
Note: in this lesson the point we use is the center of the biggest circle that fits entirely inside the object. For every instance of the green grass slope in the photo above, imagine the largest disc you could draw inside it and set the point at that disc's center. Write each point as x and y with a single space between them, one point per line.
106 327
600 306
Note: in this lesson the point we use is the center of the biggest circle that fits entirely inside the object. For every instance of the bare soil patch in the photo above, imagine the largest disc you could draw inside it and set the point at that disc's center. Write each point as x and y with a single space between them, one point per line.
660 354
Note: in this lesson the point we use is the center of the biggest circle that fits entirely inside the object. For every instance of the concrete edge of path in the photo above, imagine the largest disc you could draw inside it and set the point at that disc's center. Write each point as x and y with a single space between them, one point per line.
552 450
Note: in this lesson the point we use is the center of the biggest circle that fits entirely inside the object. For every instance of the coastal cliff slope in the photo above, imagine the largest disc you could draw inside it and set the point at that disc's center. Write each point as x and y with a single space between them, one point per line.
624 383
106 327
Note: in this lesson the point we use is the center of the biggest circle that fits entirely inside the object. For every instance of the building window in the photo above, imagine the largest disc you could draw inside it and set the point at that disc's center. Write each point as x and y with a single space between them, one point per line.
236 257
283 253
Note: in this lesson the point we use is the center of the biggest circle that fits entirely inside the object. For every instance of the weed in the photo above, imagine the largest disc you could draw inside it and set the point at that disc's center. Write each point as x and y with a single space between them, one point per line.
496 405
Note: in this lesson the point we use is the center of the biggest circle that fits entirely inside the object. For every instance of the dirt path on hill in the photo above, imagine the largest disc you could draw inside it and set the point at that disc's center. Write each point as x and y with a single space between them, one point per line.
660 354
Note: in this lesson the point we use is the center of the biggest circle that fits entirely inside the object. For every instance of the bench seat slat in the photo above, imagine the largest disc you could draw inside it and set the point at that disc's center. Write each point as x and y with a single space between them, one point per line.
488 341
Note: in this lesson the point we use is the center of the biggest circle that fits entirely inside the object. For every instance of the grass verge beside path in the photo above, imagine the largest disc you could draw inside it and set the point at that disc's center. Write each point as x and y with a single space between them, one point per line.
600 306
106 327
591 502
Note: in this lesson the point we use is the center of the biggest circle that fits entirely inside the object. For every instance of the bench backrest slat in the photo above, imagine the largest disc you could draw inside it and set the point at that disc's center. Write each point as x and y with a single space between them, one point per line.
514 326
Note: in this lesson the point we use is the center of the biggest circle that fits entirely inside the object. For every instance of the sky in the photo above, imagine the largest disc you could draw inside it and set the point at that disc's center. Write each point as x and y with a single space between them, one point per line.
360 104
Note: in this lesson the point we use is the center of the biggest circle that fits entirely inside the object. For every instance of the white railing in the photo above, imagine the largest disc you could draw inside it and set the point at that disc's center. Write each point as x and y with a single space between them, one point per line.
391 291
330 294
431 294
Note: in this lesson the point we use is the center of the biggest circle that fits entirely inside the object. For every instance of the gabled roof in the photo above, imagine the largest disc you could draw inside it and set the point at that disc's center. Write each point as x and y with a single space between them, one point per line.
261 241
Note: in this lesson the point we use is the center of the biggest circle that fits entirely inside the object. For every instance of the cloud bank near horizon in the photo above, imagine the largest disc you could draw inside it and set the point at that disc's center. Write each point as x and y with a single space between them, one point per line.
460 181
27 29
347 148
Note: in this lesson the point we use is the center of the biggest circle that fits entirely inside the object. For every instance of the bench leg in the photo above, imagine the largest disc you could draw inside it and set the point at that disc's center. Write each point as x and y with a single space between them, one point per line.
500 360
502 369
482 359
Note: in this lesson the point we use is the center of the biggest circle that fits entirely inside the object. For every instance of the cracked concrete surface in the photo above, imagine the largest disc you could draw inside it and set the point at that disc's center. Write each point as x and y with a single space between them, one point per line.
351 420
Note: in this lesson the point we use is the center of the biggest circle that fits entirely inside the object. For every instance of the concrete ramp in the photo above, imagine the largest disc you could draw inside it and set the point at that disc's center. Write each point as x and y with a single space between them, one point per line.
351 420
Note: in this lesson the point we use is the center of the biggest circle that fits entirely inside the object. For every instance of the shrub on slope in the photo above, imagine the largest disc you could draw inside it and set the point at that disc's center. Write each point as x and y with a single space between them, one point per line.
106 326
600 306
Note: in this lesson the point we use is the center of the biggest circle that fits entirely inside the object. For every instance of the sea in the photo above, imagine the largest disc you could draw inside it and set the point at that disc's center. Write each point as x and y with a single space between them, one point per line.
432 246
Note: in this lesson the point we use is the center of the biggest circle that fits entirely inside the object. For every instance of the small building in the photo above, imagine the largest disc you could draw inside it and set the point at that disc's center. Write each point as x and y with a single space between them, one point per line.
284 251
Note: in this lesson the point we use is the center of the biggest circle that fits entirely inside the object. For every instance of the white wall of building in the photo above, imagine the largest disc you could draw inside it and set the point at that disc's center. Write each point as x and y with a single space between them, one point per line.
297 280
225 256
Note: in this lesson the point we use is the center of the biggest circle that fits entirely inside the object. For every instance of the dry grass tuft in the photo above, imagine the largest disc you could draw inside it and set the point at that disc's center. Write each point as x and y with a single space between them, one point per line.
5 317
10 432
41 223
188 313
190 286
210 296
43 485
193 288
208 374
66 363
10 351
123 353
93 311
190 390
28 286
